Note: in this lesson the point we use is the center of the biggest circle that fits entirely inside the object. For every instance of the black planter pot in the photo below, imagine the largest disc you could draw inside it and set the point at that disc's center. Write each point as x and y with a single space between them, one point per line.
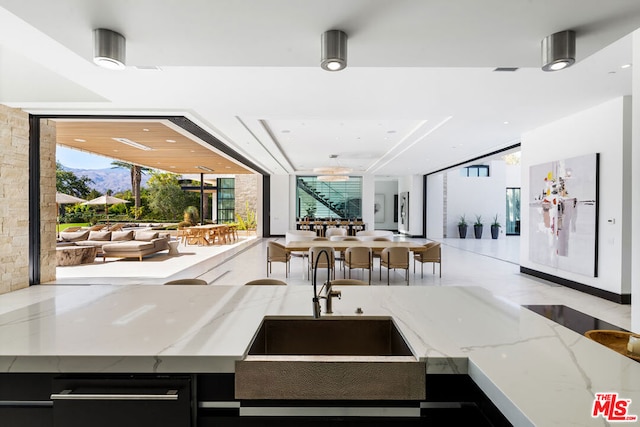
495 230
477 230
462 230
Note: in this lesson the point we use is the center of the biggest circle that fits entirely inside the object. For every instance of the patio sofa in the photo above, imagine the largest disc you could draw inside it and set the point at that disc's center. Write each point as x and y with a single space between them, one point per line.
121 244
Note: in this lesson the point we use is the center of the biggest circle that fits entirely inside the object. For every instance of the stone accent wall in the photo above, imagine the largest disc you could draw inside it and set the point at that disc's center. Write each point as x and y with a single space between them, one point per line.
246 191
48 214
14 209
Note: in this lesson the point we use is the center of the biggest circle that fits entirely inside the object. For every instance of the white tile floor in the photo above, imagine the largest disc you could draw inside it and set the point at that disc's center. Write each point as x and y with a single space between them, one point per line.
492 264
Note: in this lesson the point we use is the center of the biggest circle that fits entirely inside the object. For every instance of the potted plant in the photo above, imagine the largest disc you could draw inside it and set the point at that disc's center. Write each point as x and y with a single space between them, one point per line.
477 227
462 227
495 227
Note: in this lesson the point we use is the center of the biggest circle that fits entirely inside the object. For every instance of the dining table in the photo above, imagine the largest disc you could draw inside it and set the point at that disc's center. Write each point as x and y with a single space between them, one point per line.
343 245
205 235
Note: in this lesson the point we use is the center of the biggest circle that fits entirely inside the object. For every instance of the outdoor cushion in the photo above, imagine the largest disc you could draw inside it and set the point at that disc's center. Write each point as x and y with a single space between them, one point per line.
146 236
118 236
100 236
74 236
133 246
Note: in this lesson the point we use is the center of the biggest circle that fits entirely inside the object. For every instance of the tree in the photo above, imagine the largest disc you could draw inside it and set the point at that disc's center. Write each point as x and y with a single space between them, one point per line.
167 200
136 178
67 182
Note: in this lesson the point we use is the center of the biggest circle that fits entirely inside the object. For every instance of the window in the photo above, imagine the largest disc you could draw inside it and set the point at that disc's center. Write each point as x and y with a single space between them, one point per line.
513 211
319 199
226 200
475 171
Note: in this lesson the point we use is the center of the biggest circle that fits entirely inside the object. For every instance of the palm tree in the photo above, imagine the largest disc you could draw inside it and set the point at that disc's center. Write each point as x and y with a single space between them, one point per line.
136 179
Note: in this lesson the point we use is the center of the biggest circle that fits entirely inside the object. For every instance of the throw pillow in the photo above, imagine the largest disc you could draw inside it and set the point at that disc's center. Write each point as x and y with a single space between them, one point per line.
100 236
120 236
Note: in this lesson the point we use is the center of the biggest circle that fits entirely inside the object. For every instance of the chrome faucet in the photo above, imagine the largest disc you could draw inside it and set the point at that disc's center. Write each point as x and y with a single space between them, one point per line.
329 294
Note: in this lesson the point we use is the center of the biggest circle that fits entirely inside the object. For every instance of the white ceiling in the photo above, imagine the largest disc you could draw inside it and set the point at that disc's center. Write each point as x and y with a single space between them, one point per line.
419 92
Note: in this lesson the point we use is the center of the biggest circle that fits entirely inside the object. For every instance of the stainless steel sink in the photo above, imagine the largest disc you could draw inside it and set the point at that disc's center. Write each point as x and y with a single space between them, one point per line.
331 358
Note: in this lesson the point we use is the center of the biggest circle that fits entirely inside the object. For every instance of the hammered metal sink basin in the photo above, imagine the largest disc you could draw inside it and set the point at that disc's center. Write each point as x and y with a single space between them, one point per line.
331 358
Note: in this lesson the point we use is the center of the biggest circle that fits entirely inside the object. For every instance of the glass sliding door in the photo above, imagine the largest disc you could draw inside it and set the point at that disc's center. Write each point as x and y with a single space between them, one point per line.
513 212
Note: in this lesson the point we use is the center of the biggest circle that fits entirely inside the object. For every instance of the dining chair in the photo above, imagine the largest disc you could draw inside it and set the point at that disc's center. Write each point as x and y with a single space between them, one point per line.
314 251
349 282
266 282
433 254
187 282
276 252
358 257
395 257
335 232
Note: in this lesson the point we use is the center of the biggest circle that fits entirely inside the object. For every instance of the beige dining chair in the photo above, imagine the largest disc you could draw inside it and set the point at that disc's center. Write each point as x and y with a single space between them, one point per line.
433 254
272 282
276 252
397 258
349 282
358 257
314 253
187 282
335 232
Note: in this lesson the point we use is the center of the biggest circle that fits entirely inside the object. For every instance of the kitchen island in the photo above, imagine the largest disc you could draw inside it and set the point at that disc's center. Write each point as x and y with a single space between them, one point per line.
535 371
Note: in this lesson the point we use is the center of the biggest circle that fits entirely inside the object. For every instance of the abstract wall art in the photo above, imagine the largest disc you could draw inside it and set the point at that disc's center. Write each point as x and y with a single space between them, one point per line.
563 214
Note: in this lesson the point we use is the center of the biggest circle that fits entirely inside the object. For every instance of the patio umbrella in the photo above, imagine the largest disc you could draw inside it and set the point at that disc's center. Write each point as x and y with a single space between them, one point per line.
106 200
65 199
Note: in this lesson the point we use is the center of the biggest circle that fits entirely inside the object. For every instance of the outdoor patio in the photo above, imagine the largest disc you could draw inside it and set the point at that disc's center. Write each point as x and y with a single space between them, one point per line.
192 261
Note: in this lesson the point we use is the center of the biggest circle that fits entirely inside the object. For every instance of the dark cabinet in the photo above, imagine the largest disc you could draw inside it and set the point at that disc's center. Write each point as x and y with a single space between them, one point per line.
121 401
24 400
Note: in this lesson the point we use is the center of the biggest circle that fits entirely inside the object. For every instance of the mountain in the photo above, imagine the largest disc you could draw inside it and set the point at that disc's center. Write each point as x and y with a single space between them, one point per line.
114 179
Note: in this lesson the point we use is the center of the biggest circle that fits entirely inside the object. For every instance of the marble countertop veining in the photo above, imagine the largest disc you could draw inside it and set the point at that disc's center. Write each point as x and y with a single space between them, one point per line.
536 371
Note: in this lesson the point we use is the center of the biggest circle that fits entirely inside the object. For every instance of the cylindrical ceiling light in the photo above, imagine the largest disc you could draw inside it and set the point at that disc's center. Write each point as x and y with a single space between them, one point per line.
559 50
334 50
109 50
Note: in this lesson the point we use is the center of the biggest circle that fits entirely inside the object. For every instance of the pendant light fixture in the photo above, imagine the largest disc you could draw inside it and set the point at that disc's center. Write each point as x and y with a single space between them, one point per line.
333 173
559 51
333 46
109 49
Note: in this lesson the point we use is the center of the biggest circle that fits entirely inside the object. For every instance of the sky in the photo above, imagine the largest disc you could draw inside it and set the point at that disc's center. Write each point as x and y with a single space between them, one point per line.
81 160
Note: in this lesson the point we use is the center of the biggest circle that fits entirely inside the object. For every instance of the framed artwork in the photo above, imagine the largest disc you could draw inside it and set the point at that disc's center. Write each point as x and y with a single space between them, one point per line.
404 209
395 208
378 208
563 214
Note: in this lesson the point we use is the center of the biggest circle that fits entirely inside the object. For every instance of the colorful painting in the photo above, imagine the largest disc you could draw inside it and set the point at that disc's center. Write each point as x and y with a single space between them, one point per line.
563 214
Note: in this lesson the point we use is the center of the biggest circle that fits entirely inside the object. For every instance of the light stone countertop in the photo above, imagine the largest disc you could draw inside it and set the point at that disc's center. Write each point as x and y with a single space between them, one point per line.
536 371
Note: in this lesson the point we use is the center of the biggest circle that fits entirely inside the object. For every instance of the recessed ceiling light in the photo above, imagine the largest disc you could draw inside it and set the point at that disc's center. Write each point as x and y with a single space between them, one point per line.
506 123
286 131
228 167
391 131
172 167
171 141
204 168
80 140
145 130
625 66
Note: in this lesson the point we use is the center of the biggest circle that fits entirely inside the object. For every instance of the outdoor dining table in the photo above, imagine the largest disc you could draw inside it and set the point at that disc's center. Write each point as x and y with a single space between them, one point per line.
204 235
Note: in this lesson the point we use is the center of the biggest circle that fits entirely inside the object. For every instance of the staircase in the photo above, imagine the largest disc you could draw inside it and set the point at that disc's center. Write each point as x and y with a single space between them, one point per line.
336 197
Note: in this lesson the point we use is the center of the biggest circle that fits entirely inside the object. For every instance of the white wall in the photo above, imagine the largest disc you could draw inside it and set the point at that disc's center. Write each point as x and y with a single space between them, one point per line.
600 129
513 175
471 196
388 189
280 212
634 193
435 206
